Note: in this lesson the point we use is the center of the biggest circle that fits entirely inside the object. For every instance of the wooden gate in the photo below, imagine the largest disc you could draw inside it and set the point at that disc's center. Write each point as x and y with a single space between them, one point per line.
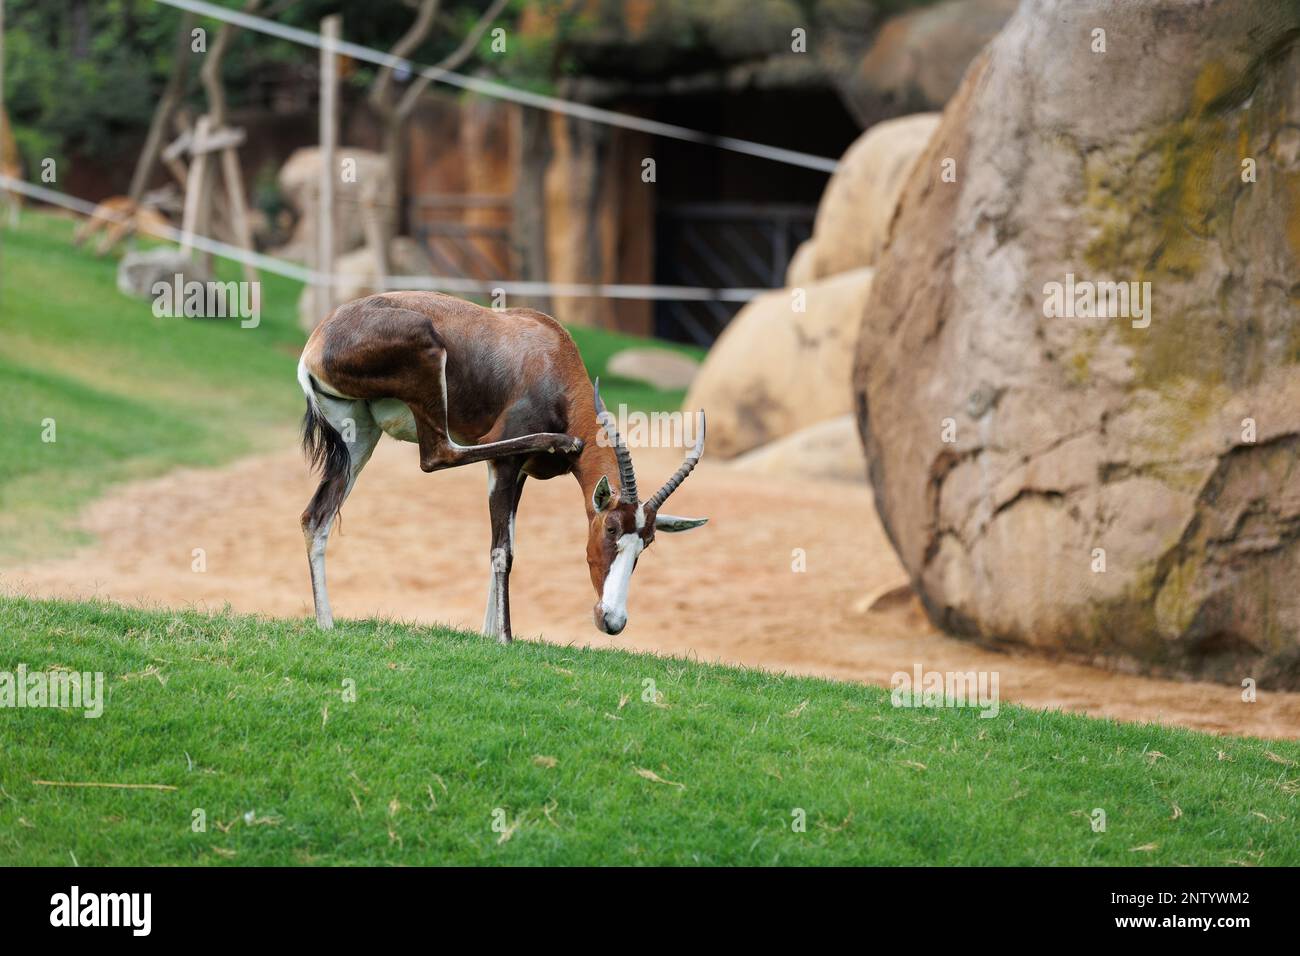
723 245
466 235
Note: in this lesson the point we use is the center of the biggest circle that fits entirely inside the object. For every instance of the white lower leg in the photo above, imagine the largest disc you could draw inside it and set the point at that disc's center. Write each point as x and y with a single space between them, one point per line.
490 618
316 559
501 632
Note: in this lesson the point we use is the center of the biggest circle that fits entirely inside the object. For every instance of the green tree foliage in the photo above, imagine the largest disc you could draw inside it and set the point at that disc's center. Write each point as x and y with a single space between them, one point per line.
83 76
81 72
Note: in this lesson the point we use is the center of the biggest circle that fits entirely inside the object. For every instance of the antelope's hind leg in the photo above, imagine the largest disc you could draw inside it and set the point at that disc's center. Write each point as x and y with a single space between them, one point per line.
357 431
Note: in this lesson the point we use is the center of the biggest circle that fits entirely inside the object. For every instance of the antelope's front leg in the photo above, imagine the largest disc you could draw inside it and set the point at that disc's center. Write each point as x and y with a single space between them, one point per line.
505 482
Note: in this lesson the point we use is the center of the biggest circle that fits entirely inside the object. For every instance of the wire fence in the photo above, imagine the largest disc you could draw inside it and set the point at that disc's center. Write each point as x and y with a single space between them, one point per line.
444 283
293 270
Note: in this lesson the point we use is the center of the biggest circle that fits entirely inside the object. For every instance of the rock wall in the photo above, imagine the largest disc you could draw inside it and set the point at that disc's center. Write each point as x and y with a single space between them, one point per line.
299 180
1118 481
598 221
465 148
917 59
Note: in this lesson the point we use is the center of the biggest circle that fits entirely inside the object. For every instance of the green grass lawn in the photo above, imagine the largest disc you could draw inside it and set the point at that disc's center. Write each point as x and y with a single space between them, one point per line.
569 753
132 395
598 345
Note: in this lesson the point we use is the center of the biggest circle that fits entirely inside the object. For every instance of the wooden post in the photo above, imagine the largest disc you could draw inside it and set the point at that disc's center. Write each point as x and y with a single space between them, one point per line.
206 172
330 29
172 95
233 178
235 211
196 186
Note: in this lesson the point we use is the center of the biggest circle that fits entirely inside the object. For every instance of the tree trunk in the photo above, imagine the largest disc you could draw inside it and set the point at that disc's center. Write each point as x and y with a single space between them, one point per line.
214 88
173 93
396 221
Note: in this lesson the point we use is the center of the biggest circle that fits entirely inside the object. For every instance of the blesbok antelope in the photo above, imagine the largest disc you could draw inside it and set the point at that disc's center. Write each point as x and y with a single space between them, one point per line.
471 384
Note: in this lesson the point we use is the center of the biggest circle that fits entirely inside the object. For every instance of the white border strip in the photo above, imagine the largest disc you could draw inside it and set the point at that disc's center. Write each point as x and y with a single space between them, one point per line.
501 91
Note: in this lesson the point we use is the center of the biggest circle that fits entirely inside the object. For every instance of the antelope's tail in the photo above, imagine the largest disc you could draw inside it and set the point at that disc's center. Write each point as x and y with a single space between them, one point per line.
326 451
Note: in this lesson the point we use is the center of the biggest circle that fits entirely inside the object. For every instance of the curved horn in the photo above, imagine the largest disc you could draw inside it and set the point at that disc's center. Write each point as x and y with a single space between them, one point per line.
626 475
680 474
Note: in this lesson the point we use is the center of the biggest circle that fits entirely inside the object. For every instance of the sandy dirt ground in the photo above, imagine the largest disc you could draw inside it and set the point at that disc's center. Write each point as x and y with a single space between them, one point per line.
415 547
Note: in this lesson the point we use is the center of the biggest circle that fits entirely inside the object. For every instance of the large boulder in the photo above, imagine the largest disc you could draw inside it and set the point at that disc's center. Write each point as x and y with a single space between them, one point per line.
140 270
362 187
783 362
659 368
918 58
828 451
1123 487
855 212
802 268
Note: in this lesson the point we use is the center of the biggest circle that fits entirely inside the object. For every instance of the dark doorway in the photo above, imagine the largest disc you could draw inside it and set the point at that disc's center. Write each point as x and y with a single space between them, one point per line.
729 220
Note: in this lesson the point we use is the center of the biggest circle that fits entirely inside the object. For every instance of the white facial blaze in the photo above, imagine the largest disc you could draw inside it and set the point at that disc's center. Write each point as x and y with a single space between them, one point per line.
619 578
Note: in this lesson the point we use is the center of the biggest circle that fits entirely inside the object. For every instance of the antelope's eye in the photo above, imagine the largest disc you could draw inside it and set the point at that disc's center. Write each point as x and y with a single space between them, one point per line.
611 530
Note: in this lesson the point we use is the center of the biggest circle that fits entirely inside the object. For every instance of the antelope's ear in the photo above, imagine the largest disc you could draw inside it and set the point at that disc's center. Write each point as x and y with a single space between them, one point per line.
601 496
672 523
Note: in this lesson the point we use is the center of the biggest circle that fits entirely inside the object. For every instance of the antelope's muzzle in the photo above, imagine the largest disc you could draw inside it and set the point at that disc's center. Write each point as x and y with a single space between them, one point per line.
609 621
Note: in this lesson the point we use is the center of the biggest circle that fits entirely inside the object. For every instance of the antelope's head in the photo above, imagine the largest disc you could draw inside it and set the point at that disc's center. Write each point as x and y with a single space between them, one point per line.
623 525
